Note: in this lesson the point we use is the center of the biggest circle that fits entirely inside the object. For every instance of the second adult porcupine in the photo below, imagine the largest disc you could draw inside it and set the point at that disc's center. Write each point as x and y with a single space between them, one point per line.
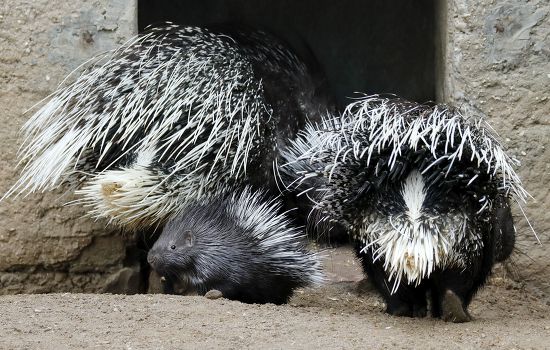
172 115
239 244
422 190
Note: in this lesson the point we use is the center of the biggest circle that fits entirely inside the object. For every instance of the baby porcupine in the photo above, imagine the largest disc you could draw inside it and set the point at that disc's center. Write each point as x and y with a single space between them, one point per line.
422 190
239 244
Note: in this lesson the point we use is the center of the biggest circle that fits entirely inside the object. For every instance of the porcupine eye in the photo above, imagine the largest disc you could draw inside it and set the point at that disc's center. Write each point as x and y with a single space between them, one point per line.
173 246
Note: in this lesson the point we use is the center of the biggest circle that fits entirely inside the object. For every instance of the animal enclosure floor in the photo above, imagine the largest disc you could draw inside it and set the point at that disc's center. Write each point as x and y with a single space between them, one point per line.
344 314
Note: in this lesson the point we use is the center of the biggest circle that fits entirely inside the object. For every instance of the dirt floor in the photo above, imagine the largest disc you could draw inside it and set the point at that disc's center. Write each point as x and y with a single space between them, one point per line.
344 314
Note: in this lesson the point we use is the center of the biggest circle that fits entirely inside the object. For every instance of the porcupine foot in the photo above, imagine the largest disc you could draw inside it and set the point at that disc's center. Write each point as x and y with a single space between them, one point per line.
451 294
167 286
405 309
452 309
409 307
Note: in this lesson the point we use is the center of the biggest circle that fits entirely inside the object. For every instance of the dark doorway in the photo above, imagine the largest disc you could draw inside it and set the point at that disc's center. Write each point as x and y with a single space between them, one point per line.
381 46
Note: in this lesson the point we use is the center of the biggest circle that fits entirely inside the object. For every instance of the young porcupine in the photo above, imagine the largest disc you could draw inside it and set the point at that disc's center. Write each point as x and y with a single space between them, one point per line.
172 115
423 191
238 244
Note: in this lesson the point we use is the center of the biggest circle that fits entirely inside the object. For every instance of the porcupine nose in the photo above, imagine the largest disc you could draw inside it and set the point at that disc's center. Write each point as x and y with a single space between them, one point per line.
153 259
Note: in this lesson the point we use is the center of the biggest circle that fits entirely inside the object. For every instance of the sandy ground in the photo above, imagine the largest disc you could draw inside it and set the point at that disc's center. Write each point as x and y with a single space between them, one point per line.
344 314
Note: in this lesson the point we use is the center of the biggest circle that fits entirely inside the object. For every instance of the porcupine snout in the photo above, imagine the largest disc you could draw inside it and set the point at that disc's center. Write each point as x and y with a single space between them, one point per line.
161 265
157 261
165 263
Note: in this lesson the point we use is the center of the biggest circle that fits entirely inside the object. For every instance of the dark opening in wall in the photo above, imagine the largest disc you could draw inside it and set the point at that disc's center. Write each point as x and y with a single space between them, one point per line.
377 46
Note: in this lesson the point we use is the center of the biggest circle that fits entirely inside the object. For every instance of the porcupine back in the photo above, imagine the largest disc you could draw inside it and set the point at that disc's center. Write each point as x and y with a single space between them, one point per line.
173 114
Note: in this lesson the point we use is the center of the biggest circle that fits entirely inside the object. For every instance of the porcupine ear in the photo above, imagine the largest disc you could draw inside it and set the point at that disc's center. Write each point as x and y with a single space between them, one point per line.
188 239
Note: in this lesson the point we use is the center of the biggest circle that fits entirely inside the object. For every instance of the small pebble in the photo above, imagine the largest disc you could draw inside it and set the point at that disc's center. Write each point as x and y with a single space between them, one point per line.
213 294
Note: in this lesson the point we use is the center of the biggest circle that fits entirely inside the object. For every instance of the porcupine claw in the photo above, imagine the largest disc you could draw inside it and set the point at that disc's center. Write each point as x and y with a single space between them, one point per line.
167 286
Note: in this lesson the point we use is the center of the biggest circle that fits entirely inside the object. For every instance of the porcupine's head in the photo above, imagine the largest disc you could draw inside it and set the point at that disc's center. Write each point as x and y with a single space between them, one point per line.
190 247
173 255
419 187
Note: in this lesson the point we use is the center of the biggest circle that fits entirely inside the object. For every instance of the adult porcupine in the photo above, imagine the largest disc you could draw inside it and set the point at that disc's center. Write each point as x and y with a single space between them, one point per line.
423 191
173 114
239 244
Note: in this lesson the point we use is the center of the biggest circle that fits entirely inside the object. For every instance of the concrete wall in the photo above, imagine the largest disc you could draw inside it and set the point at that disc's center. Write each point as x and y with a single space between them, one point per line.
494 58
45 246
496 61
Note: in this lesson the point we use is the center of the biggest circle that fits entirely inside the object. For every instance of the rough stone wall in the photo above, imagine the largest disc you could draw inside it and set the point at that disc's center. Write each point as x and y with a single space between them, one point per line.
496 60
43 248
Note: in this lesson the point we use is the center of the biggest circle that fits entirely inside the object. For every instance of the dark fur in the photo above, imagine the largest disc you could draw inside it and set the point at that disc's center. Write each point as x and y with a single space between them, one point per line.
494 225
210 245
410 300
366 189
496 228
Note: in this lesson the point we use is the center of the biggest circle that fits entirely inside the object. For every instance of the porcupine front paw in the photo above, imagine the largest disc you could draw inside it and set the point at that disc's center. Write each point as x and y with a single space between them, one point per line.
419 310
